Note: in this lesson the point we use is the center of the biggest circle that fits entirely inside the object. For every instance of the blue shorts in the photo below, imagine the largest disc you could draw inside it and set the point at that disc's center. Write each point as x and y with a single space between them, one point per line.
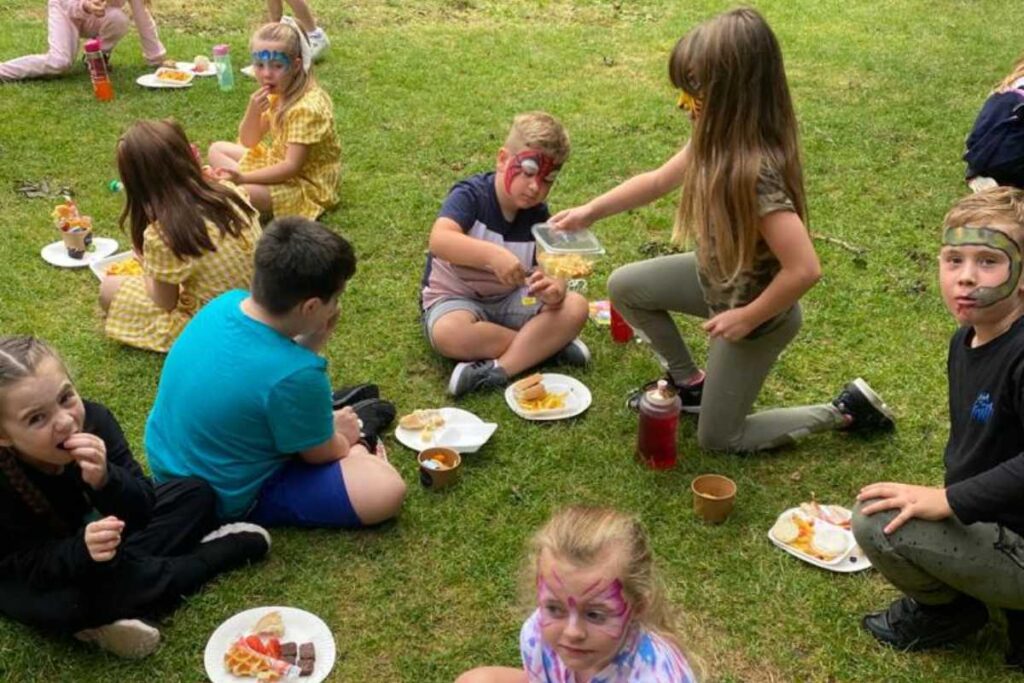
306 495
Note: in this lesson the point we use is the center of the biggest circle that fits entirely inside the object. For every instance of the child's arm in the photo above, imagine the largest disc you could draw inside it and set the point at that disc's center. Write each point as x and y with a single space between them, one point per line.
789 241
152 49
344 441
39 561
164 294
449 242
637 191
294 159
254 123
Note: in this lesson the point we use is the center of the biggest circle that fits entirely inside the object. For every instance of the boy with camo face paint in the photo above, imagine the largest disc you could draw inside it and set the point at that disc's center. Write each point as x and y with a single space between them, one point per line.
954 548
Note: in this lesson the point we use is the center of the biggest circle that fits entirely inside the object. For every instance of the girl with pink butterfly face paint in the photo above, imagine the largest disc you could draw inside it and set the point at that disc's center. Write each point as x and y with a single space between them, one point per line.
600 616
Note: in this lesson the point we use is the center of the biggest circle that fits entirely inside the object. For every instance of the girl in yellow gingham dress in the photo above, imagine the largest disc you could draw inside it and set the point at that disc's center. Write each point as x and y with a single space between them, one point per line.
290 158
199 243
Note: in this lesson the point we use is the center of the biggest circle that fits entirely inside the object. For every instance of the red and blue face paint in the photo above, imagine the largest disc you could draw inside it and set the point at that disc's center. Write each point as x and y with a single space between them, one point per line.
532 164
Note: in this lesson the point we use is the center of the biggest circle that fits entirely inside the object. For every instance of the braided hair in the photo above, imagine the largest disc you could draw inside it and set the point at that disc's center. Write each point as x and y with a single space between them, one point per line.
19 358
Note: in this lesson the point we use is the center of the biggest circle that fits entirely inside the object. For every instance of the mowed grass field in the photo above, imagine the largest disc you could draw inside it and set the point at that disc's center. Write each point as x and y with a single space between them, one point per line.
424 91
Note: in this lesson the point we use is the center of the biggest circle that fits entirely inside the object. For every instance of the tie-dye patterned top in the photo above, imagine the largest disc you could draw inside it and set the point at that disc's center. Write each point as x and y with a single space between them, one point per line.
644 658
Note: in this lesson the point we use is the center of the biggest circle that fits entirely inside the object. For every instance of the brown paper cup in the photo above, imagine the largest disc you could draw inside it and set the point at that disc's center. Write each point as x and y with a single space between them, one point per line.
713 497
75 242
445 473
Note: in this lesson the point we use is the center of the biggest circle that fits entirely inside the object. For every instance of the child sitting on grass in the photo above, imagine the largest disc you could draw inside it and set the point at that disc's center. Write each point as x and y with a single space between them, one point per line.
91 547
289 158
601 615
484 302
954 548
194 236
245 404
995 145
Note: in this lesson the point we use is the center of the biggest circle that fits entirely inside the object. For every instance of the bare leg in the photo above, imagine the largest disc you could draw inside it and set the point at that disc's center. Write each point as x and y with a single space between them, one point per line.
460 336
108 290
274 10
493 674
545 335
225 155
375 488
303 15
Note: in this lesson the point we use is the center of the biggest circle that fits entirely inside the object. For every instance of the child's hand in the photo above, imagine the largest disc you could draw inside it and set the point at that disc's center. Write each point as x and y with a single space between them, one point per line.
550 291
90 453
576 218
507 267
923 502
346 423
731 325
259 101
97 8
228 174
102 538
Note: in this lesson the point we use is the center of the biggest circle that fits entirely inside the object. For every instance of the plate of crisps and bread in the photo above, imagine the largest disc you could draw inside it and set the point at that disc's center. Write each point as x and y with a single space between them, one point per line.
548 396
819 535
452 427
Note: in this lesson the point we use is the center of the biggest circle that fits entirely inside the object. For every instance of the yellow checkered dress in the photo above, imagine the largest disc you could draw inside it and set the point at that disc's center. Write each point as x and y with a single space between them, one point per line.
134 319
310 122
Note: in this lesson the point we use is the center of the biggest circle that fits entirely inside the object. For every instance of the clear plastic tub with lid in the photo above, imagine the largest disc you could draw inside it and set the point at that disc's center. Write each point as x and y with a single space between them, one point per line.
566 254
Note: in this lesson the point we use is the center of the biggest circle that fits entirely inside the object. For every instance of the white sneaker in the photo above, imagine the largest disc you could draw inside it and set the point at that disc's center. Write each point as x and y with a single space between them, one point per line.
128 638
236 528
318 43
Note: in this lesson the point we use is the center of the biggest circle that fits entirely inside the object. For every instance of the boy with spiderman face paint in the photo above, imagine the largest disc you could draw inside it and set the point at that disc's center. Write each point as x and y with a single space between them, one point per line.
485 303
954 549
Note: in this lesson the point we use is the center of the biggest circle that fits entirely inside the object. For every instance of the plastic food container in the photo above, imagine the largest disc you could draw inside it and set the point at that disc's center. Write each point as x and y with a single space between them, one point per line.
566 254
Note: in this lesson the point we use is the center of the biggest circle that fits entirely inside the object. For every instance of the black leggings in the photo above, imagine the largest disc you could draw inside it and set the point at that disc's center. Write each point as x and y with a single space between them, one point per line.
153 569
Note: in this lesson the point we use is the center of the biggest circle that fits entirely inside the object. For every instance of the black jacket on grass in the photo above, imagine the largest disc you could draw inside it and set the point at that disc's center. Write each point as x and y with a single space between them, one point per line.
985 453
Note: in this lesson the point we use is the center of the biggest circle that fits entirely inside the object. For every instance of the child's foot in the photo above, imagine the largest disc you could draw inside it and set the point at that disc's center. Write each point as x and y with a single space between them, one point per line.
909 625
689 394
128 638
476 375
863 409
575 353
234 545
376 415
318 43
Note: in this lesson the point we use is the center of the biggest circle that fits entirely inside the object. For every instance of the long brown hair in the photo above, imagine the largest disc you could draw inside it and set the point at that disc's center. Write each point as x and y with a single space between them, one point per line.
733 65
163 183
288 36
20 356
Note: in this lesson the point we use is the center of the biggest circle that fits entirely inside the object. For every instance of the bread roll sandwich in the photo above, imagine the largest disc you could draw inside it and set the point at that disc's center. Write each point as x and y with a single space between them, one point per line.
530 388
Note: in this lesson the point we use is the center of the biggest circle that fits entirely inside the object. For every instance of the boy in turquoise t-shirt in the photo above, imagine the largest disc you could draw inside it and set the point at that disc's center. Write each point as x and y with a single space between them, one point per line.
244 401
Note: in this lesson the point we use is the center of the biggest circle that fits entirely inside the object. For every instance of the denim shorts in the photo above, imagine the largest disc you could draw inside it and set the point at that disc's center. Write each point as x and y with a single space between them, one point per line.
306 495
507 311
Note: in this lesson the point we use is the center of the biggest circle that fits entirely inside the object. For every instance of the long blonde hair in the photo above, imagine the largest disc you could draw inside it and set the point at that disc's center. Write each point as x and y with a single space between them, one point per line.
733 65
582 535
302 80
1015 73
20 357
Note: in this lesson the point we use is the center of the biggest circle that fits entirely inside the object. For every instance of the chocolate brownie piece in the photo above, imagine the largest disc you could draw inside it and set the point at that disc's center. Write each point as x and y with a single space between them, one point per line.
306 667
289 649
306 651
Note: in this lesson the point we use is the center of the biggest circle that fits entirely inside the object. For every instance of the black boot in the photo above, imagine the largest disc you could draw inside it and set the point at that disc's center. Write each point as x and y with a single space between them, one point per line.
910 625
1015 633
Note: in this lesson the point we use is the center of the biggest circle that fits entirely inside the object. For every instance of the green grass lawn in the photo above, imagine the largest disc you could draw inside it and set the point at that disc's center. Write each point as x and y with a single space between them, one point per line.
424 91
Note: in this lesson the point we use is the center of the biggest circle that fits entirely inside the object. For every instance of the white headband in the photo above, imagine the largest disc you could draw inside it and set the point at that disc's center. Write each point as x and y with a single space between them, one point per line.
304 47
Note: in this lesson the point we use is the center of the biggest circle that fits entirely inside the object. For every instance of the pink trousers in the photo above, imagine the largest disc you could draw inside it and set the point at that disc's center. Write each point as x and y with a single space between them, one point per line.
64 34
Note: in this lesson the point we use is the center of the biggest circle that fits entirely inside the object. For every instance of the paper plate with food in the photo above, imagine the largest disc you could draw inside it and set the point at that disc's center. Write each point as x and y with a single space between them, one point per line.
166 78
451 427
270 644
819 535
57 254
124 263
200 66
548 396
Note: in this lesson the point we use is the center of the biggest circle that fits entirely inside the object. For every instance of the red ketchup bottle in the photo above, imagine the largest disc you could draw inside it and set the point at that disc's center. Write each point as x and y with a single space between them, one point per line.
622 332
101 85
659 421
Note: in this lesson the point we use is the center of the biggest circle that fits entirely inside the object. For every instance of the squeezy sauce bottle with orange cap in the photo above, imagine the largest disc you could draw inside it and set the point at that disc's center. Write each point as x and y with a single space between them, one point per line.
659 422
101 85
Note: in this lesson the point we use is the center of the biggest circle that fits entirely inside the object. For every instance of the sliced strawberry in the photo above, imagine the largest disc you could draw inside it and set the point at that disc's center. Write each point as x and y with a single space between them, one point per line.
256 644
274 648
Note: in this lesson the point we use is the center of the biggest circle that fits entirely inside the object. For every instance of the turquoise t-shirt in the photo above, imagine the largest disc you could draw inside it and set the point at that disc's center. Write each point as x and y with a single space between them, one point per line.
236 400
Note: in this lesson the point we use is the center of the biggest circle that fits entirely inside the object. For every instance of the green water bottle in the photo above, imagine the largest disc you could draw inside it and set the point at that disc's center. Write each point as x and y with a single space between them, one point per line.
225 74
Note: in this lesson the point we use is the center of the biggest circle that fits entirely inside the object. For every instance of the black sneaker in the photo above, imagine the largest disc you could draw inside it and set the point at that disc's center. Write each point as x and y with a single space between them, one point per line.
233 545
476 375
1015 633
575 354
865 408
376 415
347 396
908 625
689 395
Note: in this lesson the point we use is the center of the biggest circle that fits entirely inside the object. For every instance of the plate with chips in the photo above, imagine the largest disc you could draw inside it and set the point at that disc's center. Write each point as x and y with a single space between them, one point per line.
563 397
452 427
819 535
166 78
124 263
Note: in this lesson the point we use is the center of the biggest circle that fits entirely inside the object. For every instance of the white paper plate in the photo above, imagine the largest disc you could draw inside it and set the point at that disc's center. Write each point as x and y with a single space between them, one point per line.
151 81
453 418
577 400
299 627
248 70
190 67
99 266
56 254
853 560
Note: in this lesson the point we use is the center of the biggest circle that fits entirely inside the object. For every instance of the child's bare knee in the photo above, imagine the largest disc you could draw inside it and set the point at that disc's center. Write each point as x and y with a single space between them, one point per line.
389 494
116 23
576 309
108 290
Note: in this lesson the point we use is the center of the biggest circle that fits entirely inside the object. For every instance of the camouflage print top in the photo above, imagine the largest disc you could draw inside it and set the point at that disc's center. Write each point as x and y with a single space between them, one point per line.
748 285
